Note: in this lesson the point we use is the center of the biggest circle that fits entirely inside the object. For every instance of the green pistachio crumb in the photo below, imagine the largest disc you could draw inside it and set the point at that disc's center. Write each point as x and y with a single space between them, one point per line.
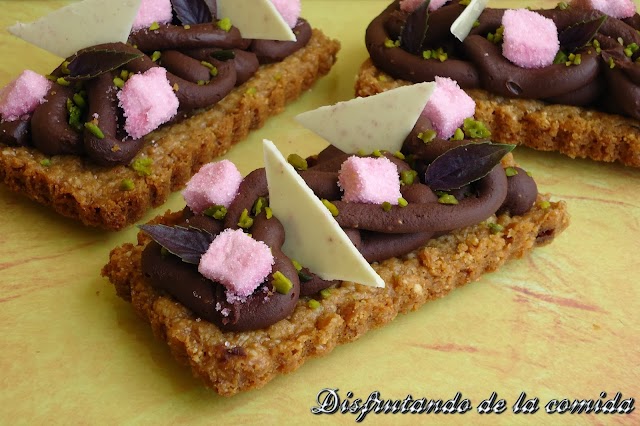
407 177
225 24
447 199
399 155
259 205
496 37
313 304
510 171
544 205
251 91
297 162
268 212
65 68
464 2
201 82
458 135
390 43
75 112
124 74
362 153
296 265
596 44
382 78
45 162
156 55
475 129
386 206
154 26
331 207
277 77
142 165
118 82
78 99
438 54
427 136
207 64
561 57
377 153
216 211
63 82
186 27
281 283
127 185
612 64
214 72
402 202
325 293
94 129
529 174
563 5
51 77
245 221
495 228
476 24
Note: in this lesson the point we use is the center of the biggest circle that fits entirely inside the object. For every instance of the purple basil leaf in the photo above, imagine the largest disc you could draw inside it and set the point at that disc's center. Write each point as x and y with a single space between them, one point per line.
415 29
579 35
464 164
90 63
189 244
191 12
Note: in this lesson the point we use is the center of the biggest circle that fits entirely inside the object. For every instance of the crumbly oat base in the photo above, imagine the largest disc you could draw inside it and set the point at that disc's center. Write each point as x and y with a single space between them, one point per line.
573 131
233 362
78 189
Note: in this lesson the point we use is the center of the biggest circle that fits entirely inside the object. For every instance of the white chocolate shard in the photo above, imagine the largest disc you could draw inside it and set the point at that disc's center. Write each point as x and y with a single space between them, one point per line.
65 31
463 24
257 19
313 237
382 121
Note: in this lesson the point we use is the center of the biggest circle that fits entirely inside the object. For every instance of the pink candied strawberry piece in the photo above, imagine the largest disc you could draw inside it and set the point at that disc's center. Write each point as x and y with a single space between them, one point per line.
289 9
214 184
619 9
151 11
448 106
148 101
236 261
23 95
530 39
411 5
369 180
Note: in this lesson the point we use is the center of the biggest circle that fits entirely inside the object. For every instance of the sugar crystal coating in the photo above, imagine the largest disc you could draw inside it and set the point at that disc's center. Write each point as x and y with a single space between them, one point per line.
369 180
411 5
151 11
619 9
23 95
289 9
448 106
148 101
237 261
530 39
214 184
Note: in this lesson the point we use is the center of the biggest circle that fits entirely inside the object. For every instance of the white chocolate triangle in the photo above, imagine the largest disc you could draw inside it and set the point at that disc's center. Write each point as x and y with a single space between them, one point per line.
313 237
463 24
257 19
65 31
382 121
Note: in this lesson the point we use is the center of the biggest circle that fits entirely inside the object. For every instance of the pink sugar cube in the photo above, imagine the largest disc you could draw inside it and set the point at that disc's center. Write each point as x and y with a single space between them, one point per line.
530 39
23 95
237 261
411 5
289 9
369 180
448 106
214 184
148 101
151 11
619 9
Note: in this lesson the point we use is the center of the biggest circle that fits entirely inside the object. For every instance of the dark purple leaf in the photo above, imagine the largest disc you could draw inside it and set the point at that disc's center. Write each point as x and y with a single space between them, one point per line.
579 35
90 63
191 12
189 244
415 29
464 164
223 55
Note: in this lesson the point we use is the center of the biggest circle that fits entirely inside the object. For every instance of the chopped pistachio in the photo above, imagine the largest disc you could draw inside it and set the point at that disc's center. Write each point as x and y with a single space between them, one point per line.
154 26
142 165
156 55
186 27
313 304
544 205
390 43
510 171
124 74
476 24
563 5
438 53
612 63
268 212
496 37
51 77
297 162
281 283
458 135
201 82
118 82
529 174
331 207
127 185
225 24
402 202
377 153
464 2
277 77
259 205
63 82
596 44
407 177
427 136
560 58
382 78
475 129
216 211
245 221
45 162
78 99
495 227
94 129
573 59
296 265
361 153
447 199
251 91
214 72
65 68
207 64
75 112
386 206
325 293
399 155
